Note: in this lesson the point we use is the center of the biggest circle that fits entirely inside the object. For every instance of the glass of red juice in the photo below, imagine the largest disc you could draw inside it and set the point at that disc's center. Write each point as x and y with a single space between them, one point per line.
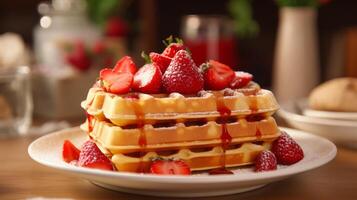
210 37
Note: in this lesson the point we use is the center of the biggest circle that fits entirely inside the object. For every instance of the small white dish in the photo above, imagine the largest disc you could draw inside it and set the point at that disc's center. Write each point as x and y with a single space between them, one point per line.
351 116
305 110
47 151
337 130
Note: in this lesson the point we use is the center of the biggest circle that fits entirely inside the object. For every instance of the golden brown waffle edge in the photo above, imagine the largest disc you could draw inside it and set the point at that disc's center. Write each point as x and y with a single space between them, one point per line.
122 111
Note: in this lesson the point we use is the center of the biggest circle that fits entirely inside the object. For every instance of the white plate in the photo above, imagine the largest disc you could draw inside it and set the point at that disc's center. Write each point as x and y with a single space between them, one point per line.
352 116
337 130
47 151
347 116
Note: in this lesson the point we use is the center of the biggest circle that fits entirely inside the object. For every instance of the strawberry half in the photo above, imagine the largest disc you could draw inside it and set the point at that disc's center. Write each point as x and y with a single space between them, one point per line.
92 157
160 60
69 152
117 83
170 167
217 76
182 75
265 161
286 150
241 79
148 79
125 64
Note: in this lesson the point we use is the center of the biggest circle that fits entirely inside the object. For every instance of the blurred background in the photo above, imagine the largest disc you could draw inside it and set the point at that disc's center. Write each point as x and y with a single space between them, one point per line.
66 42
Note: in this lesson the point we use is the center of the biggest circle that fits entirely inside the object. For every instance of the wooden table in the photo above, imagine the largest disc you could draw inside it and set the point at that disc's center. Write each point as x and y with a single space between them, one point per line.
22 178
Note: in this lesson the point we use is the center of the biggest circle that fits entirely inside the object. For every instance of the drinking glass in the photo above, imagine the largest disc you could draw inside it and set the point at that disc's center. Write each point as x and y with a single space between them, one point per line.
15 101
210 37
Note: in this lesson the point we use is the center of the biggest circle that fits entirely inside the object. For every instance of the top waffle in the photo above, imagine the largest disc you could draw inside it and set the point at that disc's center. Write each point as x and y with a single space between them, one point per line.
126 109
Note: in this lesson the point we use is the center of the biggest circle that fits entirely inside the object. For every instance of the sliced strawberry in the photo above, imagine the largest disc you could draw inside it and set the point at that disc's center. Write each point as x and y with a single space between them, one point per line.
170 167
125 64
182 75
117 83
217 76
160 60
148 79
92 157
265 161
286 150
241 79
69 152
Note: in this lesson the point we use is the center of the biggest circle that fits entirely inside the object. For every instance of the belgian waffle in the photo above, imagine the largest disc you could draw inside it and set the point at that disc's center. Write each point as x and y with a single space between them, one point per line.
124 140
122 110
208 130
197 159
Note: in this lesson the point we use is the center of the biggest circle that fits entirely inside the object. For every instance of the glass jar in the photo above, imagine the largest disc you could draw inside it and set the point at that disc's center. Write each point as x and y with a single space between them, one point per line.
15 101
63 22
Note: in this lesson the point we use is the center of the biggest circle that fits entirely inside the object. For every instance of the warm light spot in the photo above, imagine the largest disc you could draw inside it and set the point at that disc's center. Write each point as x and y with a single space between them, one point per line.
45 21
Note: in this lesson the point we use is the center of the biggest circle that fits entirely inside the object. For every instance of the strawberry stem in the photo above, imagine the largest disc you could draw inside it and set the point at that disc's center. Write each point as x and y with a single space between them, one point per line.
146 57
169 40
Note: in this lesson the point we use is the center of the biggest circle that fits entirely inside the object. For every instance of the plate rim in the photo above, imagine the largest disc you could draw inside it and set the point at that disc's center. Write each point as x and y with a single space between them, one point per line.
177 179
285 113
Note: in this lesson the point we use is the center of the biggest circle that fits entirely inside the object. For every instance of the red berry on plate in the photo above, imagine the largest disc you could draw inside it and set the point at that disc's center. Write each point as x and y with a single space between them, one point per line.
286 150
69 152
117 83
125 64
217 76
148 79
172 49
241 79
265 161
92 157
160 60
182 75
170 167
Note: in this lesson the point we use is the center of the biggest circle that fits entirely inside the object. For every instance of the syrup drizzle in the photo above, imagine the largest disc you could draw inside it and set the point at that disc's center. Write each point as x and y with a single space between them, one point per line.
258 134
226 138
253 106
140 121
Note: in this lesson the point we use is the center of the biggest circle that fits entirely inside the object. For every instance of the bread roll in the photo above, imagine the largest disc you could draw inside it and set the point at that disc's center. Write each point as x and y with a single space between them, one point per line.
335 95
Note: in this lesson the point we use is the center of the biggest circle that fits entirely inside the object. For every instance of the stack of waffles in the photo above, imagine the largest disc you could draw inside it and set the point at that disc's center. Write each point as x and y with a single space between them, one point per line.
212 129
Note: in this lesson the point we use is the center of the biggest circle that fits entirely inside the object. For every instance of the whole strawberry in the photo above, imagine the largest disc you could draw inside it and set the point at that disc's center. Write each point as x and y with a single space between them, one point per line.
265 161
286 150
182 75
92 157
172 47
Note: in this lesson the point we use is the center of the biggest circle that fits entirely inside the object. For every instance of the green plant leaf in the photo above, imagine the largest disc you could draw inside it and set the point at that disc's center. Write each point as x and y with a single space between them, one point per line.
241 12
100 10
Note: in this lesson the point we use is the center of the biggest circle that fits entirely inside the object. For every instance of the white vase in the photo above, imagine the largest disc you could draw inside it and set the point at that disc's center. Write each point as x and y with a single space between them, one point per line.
296 64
